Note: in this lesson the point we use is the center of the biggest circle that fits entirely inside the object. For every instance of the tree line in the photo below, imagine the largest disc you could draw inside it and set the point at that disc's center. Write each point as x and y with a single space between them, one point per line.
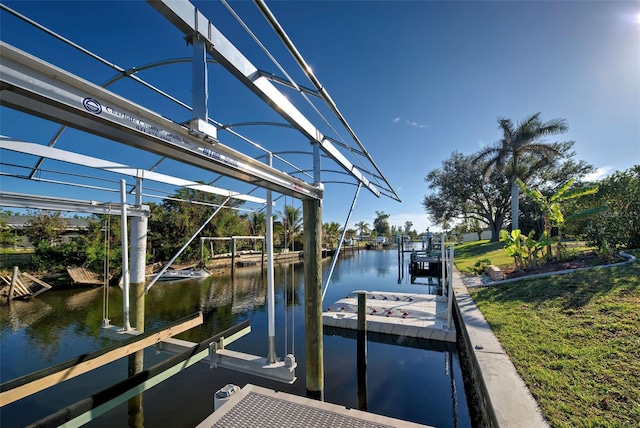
482 190
170 224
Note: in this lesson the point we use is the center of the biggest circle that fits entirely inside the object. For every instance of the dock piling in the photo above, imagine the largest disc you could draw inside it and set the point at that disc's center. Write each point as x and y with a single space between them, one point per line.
362 351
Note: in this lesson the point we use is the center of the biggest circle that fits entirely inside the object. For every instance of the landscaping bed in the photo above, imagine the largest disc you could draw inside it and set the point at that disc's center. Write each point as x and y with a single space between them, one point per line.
582 260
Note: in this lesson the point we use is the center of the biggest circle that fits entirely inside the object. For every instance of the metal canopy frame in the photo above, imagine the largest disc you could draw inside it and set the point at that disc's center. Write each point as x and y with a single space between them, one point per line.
188 19
35 87
258 81
21 200
41 89
88 161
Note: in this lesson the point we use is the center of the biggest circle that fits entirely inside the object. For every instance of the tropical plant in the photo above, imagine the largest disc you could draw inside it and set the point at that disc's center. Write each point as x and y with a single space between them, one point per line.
7 235
362 227
331 233
521 151
523 248
292 224
552 209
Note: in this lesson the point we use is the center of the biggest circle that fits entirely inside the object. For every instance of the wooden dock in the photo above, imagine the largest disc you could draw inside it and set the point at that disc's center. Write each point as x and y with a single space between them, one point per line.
22 285
83 276
400 314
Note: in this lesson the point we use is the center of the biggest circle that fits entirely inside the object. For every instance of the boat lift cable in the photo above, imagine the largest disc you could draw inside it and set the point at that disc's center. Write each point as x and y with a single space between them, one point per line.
293 308
337 253
286 309
170 262
307 70
105 285
277 64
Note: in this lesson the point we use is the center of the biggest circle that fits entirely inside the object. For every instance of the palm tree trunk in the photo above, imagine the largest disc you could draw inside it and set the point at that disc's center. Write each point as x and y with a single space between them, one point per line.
559 246
515 205
547 229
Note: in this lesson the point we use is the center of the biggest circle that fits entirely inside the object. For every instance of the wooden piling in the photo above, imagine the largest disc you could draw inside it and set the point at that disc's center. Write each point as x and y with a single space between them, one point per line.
14 281
312 219
361 352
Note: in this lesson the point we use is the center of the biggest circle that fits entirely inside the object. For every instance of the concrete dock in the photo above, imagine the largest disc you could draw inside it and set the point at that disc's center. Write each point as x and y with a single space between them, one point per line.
400 314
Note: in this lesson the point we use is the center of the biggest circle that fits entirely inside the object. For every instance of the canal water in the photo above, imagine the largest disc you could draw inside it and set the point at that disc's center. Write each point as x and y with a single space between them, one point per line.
414 380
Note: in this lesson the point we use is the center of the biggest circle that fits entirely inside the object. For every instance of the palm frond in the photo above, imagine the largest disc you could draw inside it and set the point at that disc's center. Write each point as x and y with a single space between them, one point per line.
587 213
576 193
558 193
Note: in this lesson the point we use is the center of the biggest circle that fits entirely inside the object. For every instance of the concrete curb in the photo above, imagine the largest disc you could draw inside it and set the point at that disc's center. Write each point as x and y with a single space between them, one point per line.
506 400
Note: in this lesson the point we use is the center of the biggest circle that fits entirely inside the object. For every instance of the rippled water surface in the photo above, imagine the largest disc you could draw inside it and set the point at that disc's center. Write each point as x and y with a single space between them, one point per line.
415 380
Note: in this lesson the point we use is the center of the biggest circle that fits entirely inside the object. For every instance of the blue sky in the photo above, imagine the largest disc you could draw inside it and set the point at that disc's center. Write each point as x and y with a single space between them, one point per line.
415 80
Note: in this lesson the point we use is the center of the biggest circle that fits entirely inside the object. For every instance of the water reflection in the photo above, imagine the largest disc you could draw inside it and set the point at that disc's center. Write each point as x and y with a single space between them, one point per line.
405 378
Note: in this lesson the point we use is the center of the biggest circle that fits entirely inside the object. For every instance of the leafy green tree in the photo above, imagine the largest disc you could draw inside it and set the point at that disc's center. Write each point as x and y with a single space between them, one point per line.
459 192
407 227
45 227
257 223
7 236
180 216
102 240
619 226
521 151
381 223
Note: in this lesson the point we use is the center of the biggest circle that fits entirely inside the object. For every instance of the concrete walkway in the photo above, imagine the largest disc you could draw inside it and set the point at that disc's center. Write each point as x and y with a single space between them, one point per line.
508 401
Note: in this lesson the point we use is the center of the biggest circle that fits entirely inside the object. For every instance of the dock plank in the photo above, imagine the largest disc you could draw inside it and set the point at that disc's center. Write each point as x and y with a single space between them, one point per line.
80 275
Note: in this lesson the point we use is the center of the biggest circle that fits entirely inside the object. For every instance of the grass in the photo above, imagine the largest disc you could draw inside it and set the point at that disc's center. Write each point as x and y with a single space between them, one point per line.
467 254
574 339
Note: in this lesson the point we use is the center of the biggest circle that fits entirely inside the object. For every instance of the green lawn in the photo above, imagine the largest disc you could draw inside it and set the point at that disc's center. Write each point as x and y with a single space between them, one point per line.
574 339
467 254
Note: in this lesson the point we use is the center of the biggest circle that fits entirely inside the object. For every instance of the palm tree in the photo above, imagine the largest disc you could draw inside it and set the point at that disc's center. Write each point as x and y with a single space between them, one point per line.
362 227
292 224
521 151
257 223
332 233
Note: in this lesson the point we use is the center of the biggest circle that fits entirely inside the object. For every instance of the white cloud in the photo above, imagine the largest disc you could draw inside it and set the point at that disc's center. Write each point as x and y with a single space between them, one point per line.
416 124
599 173
410 123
